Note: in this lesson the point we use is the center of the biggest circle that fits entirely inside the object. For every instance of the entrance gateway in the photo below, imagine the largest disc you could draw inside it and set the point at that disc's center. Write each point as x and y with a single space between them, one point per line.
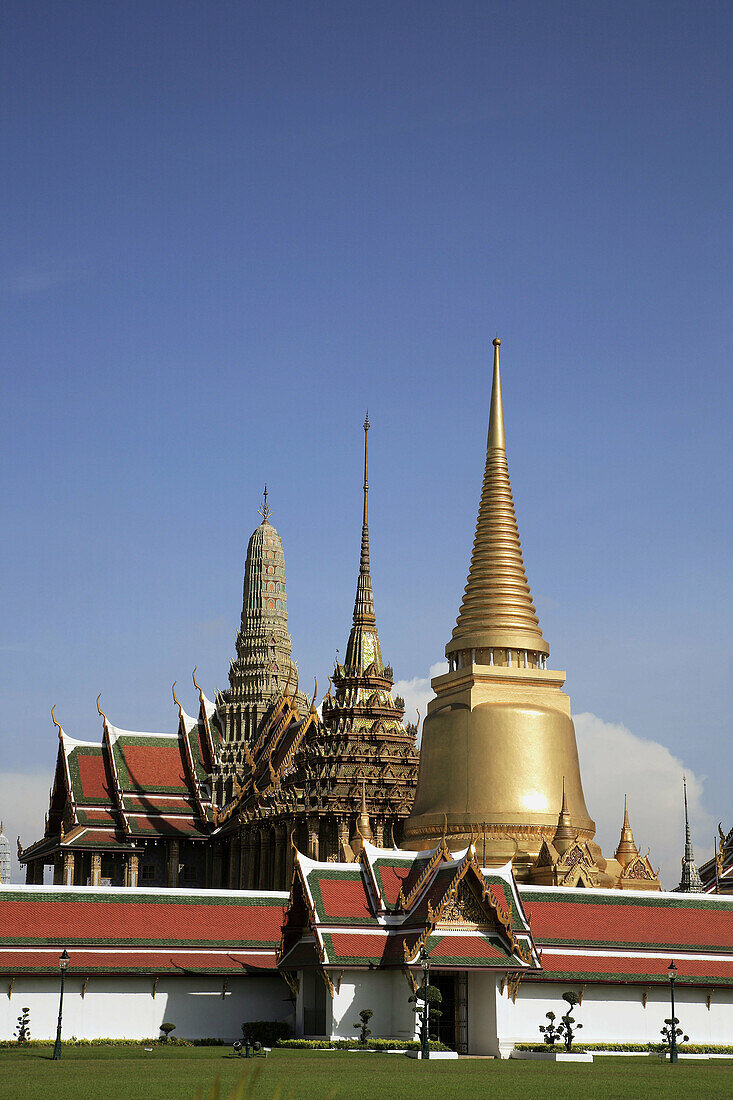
451 1028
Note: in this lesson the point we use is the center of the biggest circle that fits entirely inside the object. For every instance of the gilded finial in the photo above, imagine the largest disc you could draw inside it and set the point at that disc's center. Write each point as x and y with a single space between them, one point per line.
100 712
175 700
292 840
57 724
20 848
315 692
195 684
264 509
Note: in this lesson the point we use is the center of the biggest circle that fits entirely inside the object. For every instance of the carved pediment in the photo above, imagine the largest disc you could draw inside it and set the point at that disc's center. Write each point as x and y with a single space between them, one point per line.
465 910
548 857
640 869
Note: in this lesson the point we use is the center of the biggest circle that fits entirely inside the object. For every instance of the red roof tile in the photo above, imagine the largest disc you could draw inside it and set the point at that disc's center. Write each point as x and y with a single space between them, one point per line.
339 896
619 920
132 917
154 765
635 968
121 961
93 777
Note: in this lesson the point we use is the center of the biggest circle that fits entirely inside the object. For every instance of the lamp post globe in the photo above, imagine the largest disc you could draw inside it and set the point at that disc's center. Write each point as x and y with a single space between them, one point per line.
672 974
63 966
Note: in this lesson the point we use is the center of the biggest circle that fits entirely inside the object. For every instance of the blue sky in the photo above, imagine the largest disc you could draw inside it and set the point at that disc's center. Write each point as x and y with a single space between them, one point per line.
230 228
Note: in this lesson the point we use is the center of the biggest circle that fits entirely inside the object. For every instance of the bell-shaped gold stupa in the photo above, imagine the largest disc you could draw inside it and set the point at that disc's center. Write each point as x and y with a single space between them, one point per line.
498 738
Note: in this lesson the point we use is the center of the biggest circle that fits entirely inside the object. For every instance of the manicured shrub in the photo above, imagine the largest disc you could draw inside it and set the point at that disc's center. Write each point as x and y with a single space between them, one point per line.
266 1032
362 1026
354 1044
166 1029
23 1029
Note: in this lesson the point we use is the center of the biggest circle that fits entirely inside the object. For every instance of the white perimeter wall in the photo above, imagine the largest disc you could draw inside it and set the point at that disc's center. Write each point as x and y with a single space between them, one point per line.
124 1007
386 992
615 1013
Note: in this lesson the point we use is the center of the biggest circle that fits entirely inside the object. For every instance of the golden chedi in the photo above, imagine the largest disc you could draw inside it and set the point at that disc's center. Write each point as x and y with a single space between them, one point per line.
498 741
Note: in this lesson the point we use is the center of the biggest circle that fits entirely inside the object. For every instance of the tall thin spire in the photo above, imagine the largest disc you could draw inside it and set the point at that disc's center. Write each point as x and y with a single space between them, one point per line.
690 881
497 608
364 603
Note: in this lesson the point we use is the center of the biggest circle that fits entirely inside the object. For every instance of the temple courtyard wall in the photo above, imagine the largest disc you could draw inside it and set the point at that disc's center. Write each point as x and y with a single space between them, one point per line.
122 1007
615 1013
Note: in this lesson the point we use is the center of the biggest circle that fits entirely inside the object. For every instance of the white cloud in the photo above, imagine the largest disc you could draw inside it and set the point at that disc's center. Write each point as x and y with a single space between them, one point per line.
417 692
614 762
23 805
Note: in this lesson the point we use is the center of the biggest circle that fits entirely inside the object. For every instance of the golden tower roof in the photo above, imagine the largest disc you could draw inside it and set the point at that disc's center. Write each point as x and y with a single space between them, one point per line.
627 850
497 608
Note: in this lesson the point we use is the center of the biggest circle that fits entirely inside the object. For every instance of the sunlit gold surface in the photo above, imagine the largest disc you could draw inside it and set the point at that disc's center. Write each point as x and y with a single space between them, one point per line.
498 740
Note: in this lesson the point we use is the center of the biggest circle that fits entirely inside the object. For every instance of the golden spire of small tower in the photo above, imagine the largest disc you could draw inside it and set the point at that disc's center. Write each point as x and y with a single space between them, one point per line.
564 834
364 602
497 608
627 850
363 828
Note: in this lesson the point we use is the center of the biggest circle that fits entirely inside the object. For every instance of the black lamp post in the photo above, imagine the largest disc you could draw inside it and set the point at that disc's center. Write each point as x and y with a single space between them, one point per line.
425 1036
63 964
672 974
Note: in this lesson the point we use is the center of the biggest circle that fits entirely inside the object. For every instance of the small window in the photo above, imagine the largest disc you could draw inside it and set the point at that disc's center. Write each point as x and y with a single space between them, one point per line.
147 874
189 873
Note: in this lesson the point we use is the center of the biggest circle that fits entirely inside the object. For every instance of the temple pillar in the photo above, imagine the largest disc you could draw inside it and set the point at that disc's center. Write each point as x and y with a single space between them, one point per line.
30 872
96 876
40 868
379 834
278 873
262 846
233 871
131 870
313 822
171 868
216 868
68 871
343 837
243 861
289 854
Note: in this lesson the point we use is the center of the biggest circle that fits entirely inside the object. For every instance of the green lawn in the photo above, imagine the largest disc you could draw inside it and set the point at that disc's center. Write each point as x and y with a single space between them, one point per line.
108 1073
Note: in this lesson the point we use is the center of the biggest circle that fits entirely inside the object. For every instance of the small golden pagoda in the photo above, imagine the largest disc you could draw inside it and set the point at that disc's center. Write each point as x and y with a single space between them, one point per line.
498 741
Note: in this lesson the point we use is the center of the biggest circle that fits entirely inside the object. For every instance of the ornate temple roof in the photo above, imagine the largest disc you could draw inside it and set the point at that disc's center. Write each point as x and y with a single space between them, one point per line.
464 916
131 786
717 873
108 930
614 936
